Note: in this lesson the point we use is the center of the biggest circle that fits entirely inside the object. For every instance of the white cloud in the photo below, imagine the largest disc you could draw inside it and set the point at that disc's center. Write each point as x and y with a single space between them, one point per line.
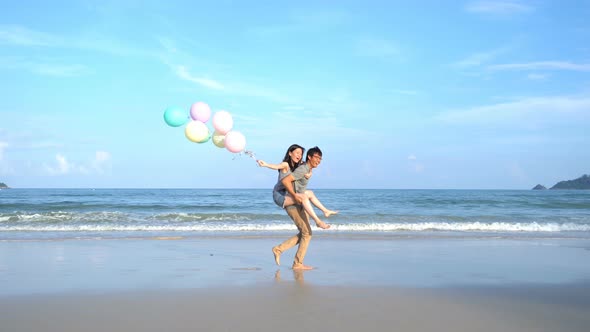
498 7
480 58
233 88
183 73
99 165
102 156
536 77
525 111
102 162
476 59
22 36
59 70
543 65
45 67
18 35
168 44
62 167
411 157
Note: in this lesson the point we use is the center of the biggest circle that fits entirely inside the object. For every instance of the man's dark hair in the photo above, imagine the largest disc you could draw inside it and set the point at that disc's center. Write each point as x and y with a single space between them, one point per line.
312 152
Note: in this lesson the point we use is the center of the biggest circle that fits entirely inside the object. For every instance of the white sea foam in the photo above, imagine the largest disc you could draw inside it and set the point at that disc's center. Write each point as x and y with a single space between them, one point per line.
274 227
466 227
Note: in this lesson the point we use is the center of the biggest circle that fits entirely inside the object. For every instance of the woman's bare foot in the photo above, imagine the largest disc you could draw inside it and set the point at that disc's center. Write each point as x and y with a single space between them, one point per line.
302 267
328 213
322 225
277 255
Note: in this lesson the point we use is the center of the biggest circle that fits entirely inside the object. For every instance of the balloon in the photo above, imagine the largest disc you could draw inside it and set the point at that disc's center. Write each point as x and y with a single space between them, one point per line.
197 132
175 116
222 122
200 111
235 141
218 139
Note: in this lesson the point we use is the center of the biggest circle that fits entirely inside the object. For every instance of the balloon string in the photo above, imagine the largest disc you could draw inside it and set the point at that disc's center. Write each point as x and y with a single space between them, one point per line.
250 154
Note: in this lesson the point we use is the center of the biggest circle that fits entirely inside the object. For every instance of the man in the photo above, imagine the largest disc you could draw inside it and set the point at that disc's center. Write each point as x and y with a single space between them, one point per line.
297 182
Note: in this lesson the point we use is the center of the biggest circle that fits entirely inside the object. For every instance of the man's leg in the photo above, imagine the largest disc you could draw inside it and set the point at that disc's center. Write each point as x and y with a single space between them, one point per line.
302 222
290 242
299 217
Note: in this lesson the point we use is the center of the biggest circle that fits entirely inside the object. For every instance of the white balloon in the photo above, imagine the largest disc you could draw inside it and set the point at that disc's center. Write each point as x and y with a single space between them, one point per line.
222 122
235 142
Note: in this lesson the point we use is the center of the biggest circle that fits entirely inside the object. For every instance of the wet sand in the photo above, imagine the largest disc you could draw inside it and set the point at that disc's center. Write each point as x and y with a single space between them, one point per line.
209 284
293 307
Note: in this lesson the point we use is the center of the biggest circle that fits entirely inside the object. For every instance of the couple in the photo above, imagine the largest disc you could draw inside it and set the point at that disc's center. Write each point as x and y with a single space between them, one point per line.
291 193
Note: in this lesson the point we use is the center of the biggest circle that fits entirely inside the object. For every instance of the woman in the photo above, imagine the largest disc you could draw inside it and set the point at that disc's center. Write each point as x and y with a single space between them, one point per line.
290 162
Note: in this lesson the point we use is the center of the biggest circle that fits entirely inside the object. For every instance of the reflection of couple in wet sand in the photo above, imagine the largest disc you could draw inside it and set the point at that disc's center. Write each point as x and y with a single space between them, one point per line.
291 193
297 276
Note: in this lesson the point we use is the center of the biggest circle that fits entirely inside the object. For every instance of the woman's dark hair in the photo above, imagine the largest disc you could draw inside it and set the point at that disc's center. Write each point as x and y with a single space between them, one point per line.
287 158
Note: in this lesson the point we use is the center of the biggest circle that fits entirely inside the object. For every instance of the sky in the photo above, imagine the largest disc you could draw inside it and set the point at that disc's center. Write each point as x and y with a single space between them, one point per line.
400 95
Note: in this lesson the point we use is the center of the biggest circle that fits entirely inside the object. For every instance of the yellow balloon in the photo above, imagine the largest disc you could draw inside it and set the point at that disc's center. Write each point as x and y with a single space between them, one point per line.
197 132
218 139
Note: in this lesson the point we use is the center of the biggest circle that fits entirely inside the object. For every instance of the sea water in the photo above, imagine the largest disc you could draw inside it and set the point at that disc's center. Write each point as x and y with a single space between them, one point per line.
120 213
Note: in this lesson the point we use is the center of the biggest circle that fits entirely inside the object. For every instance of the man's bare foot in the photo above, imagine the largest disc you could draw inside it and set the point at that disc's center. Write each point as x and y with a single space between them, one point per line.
277 254
302 267
329 213
322 225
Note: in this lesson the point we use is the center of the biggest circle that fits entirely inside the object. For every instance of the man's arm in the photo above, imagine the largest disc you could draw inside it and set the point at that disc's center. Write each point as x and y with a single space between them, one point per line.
288 183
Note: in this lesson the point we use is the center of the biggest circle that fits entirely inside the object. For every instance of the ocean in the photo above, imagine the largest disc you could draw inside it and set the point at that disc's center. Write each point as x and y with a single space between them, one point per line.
30 214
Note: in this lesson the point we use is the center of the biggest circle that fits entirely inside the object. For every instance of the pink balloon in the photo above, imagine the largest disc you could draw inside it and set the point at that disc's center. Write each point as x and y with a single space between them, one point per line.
200 112
222 122
235 142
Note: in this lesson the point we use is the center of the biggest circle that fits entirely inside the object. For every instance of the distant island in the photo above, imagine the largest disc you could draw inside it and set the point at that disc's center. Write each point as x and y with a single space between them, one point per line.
3 185
581 183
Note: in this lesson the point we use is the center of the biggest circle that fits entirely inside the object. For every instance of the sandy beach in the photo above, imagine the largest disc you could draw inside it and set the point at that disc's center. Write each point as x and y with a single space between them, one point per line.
232 284
292 307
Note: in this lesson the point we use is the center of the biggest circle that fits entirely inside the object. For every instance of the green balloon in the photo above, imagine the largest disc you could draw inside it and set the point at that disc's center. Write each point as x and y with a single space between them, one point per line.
175 116
218 139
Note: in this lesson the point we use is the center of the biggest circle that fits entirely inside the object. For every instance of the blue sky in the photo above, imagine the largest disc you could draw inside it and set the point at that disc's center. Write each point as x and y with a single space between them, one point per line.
469 94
